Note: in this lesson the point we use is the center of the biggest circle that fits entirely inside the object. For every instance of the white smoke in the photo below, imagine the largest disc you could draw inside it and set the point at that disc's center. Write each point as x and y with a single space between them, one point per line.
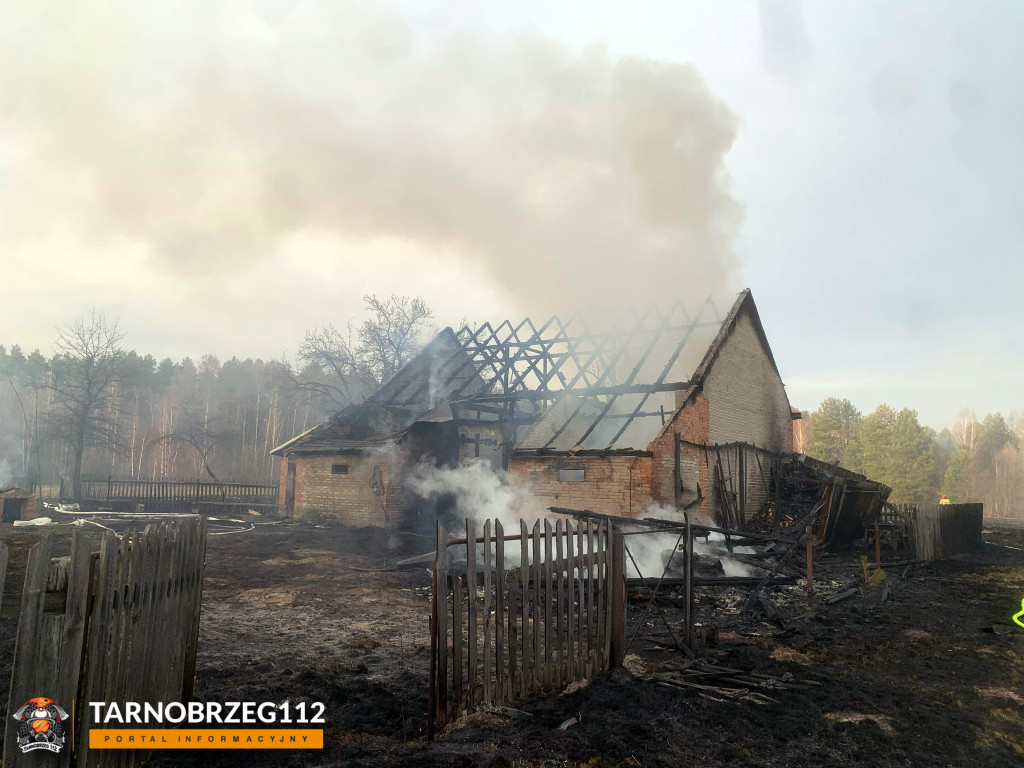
483 494
196 134
735 567
480 493
651 551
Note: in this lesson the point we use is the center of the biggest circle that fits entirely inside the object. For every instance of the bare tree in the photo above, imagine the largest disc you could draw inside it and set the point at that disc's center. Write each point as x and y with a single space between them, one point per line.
392 335
356 362
967 432
334 354
201 432
88 365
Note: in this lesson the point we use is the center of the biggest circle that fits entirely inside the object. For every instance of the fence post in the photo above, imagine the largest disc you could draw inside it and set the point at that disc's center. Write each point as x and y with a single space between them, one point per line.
617 585
30 646
688 561
439 637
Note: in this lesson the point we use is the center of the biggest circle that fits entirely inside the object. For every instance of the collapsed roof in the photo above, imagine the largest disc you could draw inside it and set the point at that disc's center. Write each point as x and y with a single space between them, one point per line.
560 385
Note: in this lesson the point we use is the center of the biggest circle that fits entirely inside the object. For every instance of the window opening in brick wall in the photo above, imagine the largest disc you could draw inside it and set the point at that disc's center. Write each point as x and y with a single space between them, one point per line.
571 475
339 469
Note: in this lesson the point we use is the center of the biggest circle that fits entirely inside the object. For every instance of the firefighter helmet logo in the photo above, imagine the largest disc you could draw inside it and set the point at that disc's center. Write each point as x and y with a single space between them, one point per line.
40 725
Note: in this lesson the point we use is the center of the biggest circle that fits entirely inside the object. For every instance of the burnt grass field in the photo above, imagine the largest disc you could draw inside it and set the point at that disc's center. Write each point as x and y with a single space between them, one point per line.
933 677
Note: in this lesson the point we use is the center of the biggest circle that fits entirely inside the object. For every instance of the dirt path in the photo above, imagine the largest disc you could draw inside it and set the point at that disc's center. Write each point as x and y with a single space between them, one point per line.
934 677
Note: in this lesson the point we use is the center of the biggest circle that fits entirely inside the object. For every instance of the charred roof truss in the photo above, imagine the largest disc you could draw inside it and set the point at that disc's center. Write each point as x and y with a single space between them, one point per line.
516 371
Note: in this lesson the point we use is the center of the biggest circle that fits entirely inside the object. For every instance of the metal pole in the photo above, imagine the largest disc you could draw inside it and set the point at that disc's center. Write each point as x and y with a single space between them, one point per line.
432 693
688 617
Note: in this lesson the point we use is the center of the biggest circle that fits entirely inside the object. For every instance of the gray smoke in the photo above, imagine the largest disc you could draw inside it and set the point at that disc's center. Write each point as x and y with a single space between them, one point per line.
202 134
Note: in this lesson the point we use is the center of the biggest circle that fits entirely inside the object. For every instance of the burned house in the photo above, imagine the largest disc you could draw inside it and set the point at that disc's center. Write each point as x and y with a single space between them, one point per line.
580 418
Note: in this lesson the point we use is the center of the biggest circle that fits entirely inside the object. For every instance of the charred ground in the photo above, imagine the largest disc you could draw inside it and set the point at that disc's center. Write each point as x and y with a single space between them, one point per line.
934 676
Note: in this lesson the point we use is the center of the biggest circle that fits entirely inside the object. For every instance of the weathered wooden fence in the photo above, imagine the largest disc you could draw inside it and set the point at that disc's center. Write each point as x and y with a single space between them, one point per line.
508 625
120 624
943 530
183 491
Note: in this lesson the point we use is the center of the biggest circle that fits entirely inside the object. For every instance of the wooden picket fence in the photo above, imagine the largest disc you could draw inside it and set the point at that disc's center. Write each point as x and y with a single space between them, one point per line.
120 624
504 631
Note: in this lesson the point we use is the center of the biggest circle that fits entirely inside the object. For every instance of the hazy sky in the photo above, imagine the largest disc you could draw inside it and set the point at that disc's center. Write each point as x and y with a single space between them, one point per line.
224 176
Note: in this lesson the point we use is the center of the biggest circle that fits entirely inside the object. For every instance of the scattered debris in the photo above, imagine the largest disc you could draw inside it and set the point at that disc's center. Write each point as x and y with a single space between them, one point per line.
570 722
883 722
844 595
998 628
784 653
509 712
723 683
873 575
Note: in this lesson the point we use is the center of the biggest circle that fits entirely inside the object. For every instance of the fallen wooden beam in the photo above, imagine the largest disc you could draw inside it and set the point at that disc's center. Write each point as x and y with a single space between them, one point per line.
843 595
736 537
707 581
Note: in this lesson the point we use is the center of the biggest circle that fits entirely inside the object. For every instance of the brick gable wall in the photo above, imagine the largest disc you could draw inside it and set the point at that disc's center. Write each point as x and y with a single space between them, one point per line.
747 399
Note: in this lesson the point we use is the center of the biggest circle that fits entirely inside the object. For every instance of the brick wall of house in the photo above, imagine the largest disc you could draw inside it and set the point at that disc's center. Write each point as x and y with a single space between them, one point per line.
746 397
343 498
282 486
612 485
691 422
397 498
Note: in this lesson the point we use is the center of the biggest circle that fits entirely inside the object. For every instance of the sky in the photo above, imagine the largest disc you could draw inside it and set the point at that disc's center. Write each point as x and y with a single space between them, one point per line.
222 177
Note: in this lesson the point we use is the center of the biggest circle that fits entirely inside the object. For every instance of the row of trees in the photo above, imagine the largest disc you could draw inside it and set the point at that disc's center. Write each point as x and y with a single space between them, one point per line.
94 408
970 461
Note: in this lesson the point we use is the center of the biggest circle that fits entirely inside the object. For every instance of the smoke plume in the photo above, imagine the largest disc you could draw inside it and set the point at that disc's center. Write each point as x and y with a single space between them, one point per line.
203 134
479 493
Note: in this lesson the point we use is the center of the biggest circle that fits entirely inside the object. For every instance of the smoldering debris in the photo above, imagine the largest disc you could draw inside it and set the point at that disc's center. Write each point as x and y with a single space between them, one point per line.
659 553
